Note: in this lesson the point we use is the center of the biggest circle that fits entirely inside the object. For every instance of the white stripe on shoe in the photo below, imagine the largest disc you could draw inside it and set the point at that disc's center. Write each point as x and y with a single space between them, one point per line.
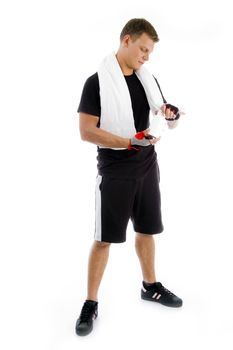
153 296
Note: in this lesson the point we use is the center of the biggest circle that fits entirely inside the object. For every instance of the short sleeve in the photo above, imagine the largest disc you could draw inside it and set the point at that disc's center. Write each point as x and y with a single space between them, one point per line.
90 98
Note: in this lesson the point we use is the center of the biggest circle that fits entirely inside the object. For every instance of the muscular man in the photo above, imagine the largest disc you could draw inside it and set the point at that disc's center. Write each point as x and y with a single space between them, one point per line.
114 115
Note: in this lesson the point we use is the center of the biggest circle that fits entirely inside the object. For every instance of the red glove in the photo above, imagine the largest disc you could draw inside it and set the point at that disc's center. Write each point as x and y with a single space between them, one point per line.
140 139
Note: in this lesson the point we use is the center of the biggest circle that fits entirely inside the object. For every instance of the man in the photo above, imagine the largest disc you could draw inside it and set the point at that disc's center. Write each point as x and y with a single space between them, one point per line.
114 114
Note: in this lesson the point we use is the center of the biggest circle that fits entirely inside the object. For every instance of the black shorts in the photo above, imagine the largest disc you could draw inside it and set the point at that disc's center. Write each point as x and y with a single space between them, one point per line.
118 200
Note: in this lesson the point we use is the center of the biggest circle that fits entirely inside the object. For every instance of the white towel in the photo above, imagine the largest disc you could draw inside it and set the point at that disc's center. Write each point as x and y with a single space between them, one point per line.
116 107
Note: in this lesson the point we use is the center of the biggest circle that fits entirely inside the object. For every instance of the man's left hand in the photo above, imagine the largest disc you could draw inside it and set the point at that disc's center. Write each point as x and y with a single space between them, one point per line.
171 112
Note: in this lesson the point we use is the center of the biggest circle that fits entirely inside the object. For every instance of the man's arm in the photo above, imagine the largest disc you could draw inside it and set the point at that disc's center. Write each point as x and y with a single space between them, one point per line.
91 133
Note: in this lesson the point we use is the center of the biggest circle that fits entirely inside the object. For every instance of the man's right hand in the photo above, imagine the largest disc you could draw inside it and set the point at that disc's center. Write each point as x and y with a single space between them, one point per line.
142 138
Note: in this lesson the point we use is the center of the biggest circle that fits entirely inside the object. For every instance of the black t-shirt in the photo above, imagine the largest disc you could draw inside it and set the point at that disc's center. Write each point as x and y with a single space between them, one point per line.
121 163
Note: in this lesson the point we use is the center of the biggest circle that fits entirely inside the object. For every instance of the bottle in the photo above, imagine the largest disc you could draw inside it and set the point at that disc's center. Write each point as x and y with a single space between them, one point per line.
158 125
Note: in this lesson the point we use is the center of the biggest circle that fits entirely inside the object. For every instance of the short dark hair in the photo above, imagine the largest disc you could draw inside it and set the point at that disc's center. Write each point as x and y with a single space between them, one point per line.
136 27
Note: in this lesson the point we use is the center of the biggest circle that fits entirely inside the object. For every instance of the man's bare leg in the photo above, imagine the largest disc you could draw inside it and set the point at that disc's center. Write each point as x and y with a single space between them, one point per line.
145 249
96 265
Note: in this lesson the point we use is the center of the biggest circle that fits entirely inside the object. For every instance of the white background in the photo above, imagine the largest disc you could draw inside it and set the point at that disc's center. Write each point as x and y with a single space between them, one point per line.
48 49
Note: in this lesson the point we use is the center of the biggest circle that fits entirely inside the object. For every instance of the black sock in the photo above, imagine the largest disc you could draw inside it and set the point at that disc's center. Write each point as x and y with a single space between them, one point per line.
93 302
149 286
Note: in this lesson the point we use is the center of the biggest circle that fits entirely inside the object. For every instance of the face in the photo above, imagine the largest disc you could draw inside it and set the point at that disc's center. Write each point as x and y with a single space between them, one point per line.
138 51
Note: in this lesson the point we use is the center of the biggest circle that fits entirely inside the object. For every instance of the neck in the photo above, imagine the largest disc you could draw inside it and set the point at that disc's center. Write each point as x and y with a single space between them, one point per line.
125 69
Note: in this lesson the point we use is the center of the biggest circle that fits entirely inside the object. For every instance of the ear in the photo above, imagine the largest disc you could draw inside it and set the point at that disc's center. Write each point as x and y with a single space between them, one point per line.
126 39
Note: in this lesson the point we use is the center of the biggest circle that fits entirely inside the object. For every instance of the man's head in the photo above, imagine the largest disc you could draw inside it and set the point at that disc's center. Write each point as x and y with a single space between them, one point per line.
137 41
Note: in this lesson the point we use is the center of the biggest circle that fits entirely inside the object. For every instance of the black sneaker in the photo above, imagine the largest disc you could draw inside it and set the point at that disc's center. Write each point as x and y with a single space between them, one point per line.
89 312
158 293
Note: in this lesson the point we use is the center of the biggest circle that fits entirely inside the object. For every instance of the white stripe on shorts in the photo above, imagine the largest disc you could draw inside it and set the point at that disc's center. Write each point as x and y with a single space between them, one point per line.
98 233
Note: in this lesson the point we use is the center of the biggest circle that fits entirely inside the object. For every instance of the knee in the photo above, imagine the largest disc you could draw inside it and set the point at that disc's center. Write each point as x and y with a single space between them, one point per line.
99 244
143 237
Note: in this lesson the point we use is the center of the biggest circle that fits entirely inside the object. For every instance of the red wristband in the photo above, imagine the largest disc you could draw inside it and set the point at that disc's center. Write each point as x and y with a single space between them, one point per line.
130 147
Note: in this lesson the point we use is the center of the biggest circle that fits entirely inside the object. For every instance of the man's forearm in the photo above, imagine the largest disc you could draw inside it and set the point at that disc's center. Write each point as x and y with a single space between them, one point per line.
101 137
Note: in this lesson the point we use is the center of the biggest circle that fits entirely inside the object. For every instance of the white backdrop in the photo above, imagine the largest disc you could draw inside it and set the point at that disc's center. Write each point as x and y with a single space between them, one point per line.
48 49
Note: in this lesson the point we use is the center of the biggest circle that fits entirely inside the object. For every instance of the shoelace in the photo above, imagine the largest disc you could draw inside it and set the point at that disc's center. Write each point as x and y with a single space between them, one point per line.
87 312
163 289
